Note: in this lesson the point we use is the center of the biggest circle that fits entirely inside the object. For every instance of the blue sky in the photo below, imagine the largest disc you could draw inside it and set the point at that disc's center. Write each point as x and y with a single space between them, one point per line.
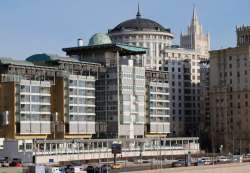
36 26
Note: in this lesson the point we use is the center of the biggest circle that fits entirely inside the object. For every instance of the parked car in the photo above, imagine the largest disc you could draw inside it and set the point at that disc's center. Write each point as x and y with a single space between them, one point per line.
74 169
4 162
16 162
105 168
53 170
91 169
179 163
199 162
237 158
207 160
116 166
222 159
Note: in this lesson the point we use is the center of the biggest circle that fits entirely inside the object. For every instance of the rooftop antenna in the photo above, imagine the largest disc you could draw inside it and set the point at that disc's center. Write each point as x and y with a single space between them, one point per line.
138 15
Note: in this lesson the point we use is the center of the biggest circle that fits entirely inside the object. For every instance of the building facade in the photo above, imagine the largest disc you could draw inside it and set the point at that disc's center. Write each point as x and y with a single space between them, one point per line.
229 96
47 97
183 67
162 56
120 91
205 118
157 104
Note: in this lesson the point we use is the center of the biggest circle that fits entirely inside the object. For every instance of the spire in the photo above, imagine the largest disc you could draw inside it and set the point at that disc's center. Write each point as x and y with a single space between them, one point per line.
194 17
138 15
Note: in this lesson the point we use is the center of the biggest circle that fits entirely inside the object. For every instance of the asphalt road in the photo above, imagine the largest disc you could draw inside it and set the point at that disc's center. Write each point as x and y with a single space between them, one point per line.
11 170
223 168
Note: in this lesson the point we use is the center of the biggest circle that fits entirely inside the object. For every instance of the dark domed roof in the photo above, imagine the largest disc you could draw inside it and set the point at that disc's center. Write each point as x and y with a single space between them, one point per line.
139 24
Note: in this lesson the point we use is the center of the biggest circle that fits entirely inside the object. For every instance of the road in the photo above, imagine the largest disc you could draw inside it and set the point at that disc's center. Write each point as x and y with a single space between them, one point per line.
11 170
223 168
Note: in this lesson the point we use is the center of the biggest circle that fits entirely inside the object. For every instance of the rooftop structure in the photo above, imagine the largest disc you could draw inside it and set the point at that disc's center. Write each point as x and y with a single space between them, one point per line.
146 33
243 36
195 38
99 39
139 24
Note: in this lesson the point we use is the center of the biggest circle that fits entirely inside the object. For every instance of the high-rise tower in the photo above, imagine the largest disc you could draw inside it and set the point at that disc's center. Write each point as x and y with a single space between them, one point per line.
195 38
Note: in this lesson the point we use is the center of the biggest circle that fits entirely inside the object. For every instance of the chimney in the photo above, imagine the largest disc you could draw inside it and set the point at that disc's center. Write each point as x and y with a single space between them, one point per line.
79 42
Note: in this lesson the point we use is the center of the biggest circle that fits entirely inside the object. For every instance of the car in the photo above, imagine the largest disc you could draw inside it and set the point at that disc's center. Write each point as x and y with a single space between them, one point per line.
207 160
116 166
53 170
237 158
139 161
199 162
105 168
179 163
91 169
222 159
16 162
4 162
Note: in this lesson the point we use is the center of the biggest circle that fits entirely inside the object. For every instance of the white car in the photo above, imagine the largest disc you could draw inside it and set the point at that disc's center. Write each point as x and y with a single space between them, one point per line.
223 159
207 160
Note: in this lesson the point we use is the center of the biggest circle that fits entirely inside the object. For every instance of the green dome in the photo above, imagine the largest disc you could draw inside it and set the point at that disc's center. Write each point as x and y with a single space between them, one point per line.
99 38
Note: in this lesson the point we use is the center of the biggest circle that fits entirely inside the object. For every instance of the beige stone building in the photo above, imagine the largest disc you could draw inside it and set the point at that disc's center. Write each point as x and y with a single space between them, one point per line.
230 95
195 37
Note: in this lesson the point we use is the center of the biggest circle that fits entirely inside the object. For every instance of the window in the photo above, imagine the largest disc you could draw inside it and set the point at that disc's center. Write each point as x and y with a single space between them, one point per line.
35 89
35 98
231 97
25 88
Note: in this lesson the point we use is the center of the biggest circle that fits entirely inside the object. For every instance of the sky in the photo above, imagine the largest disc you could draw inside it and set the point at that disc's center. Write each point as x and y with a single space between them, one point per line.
28 27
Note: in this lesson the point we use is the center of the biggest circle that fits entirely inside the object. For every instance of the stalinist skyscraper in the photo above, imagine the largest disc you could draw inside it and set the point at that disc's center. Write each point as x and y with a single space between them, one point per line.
195 38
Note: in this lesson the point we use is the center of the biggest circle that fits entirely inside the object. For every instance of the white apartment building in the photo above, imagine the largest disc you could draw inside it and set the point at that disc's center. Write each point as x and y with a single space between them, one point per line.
124 95
33 101
159 117
132 98
81 95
